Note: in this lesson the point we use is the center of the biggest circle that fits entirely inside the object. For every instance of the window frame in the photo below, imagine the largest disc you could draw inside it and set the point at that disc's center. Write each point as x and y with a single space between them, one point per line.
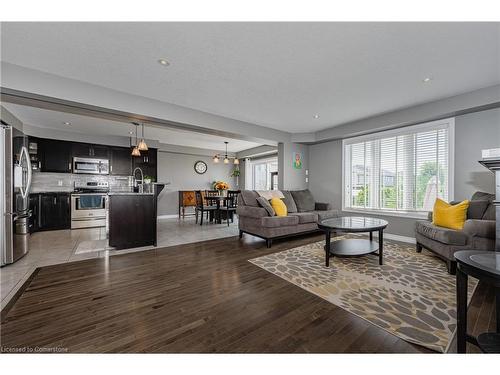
448 123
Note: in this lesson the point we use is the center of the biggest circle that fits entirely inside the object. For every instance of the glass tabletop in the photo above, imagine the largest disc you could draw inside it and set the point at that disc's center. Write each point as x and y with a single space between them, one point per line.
357 223
487 261
491 261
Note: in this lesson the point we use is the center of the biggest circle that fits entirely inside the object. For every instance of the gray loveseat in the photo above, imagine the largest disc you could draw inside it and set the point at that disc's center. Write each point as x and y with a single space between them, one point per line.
478 232
303 215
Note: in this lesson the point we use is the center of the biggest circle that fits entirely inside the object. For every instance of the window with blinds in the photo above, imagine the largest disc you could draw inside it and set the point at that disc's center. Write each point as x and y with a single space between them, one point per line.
401 170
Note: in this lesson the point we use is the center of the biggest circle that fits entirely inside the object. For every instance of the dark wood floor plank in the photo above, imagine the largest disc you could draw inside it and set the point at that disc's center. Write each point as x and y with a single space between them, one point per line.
193 298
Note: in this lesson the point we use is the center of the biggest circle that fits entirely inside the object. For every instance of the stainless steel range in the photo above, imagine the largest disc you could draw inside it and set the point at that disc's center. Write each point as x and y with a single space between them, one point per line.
89 204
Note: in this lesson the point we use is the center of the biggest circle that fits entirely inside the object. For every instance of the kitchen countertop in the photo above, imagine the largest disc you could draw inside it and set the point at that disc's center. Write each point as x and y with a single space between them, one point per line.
127 193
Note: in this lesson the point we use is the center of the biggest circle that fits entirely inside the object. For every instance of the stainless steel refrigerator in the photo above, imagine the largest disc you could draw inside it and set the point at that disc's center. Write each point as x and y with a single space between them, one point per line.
15 184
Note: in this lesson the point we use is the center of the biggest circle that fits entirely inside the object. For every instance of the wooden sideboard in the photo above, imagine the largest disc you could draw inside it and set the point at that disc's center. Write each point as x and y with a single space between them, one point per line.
187 198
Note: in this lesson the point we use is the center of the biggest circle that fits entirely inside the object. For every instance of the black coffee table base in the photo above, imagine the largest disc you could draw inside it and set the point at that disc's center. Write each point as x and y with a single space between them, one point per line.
354 247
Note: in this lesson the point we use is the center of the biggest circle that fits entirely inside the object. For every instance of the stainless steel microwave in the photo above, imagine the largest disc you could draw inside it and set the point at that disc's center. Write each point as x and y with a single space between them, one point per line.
90 166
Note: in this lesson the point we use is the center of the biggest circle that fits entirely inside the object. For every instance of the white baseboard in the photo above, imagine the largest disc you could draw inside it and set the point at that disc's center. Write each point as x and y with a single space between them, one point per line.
168 217
397 237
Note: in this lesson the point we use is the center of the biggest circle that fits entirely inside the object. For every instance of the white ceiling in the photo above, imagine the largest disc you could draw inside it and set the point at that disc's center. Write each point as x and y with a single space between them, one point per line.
273 74
48 119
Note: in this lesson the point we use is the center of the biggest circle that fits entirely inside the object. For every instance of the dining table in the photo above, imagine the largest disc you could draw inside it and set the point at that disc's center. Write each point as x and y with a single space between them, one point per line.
219 199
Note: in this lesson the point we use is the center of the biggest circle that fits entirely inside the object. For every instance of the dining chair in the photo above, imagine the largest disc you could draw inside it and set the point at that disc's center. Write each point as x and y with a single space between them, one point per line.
202 206
230 204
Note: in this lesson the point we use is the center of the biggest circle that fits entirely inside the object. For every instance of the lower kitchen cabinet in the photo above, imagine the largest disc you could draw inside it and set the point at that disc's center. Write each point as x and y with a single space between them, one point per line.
50 211
132 220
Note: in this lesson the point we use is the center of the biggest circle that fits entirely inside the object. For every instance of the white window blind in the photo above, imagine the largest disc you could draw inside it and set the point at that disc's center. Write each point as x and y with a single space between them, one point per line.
401 170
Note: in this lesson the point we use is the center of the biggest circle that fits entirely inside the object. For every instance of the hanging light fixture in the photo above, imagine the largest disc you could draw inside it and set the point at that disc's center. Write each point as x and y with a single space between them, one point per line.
226 160
216 158
236 161
135 150
142 146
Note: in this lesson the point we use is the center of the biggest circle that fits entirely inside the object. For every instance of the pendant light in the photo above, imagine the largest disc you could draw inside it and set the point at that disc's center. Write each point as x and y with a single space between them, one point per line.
135 150
236 161
142 146
216 158
226 160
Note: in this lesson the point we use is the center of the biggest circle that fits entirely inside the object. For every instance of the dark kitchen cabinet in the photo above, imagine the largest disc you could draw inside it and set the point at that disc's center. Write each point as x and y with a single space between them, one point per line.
147 162
54 211
54 156
33 207
121 161
132 220
89 150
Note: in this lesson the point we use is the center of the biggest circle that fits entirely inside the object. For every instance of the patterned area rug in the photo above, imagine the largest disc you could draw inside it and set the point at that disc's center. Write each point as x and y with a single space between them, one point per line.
411 296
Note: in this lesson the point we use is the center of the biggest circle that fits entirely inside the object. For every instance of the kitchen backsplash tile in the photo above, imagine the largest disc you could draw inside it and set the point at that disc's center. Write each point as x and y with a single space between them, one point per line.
65 182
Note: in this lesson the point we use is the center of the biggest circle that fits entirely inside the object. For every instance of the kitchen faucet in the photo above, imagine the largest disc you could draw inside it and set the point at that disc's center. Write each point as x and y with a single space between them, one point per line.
141 188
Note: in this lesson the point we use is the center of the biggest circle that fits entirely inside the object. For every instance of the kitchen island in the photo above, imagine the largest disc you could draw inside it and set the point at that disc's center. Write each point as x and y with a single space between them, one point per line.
132 218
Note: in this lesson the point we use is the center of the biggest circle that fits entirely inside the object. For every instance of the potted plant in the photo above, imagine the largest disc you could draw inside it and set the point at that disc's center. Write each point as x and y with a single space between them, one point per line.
236 174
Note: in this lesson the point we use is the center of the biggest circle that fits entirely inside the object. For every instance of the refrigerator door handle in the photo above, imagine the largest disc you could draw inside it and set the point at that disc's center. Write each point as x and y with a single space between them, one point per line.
24 157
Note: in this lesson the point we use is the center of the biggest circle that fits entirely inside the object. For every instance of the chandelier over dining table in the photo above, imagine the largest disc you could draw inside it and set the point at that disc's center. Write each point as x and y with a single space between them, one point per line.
226 160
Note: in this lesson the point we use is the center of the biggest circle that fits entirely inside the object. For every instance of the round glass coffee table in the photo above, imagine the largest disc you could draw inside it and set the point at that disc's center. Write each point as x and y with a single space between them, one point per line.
353 247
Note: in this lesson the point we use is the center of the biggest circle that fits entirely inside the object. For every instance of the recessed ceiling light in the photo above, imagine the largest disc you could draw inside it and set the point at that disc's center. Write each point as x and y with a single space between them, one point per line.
316 116
130 133
427 80
66 123
163 62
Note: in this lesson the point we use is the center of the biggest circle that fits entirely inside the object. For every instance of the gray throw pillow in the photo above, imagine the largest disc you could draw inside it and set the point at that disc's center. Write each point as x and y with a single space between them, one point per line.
289 202
489 214
304 200
264 203
477 209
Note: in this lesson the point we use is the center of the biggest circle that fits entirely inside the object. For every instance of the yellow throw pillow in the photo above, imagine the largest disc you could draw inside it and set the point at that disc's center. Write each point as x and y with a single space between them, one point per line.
279 207
449 216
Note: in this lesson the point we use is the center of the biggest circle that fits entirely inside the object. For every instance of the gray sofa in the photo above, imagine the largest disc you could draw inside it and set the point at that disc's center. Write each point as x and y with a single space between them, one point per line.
303 215
478 232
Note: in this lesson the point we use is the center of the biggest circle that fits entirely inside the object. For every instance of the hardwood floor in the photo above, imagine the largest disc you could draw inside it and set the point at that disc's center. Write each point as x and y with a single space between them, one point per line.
200 297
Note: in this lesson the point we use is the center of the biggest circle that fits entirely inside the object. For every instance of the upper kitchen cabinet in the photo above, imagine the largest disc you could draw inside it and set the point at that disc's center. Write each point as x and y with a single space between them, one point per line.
147 162
54 156
89 150
121 161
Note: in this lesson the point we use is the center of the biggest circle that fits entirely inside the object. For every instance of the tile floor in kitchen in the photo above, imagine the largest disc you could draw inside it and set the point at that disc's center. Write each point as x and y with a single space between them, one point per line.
60 246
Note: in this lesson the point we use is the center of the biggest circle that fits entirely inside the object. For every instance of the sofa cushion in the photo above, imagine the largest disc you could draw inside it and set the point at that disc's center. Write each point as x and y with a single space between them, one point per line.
443 235
270 194
264 203
306 217
279 207
289 202
477 208
482 196
249 198
303 200
327 214
279 221
489 214
480 228
249 211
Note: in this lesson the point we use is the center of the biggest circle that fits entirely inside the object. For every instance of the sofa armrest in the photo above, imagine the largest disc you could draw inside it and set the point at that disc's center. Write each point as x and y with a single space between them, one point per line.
250 211
480 228
318 206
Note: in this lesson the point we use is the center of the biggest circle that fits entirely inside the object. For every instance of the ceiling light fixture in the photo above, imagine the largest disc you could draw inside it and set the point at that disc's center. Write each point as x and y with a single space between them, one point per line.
142 146
427 80
135 150
316 117
163 62
226 159
67 123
